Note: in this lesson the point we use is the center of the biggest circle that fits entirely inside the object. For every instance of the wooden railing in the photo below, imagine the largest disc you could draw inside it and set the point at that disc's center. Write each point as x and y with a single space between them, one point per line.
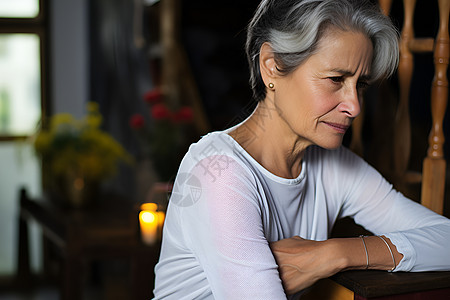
432 177
433 183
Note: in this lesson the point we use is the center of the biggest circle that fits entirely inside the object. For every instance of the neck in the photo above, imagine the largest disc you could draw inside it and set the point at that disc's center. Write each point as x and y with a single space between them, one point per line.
268 139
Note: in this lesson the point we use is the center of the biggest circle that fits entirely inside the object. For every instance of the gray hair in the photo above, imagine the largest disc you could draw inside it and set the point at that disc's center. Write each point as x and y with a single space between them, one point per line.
294 28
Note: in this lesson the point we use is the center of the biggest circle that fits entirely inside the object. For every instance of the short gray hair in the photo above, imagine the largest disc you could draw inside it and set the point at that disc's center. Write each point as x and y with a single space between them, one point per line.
294 28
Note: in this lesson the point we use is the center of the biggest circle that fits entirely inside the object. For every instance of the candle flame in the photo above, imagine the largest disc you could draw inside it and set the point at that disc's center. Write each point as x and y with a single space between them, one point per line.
147 216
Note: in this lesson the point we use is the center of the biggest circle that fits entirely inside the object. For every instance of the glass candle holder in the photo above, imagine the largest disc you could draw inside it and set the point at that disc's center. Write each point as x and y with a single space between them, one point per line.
151 222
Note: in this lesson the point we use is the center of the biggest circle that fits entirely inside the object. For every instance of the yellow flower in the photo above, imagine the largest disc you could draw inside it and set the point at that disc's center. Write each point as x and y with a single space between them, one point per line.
62 121
79 146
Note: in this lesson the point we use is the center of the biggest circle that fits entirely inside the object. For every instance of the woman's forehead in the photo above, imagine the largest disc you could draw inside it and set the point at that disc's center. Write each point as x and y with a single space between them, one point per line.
344 52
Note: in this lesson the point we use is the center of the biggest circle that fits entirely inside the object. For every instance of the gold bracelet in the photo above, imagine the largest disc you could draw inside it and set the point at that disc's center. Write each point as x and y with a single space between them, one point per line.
365 249
390 251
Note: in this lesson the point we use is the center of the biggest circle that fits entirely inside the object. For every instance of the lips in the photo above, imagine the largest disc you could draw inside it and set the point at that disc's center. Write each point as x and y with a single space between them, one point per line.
340 128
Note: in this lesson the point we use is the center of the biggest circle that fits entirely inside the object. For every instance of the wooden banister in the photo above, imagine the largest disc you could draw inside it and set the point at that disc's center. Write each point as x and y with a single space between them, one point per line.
402 127
433 184
421 45
434 165
385 6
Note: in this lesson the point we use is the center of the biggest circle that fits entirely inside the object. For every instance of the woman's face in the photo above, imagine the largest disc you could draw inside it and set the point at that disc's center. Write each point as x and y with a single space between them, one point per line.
320 99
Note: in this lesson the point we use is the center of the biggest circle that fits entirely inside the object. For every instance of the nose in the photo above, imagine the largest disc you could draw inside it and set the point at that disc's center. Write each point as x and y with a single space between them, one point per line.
350 104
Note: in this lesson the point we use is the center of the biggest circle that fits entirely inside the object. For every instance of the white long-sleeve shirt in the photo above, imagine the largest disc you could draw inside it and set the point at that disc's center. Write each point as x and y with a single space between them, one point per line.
225 209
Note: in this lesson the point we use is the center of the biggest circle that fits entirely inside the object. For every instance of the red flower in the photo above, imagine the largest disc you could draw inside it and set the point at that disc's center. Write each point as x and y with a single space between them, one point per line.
185 114
159 111
137 121
153 96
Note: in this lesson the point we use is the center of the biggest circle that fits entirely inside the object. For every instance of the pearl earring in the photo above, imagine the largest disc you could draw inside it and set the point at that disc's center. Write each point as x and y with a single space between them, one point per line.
271 85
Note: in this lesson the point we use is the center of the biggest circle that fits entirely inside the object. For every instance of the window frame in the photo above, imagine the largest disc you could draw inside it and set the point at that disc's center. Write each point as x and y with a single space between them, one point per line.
39 26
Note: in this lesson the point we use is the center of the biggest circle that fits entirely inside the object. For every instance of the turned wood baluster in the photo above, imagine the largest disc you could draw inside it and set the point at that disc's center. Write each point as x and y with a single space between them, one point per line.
433 184
385 6
402 127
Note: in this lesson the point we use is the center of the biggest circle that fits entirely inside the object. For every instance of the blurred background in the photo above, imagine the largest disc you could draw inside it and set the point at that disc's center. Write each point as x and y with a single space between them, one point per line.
154 76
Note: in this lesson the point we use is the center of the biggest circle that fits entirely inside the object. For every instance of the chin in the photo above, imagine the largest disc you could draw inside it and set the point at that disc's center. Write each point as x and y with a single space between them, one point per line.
330 144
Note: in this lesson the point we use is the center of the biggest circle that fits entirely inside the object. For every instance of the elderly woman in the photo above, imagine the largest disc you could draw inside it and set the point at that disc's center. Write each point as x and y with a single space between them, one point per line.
253 206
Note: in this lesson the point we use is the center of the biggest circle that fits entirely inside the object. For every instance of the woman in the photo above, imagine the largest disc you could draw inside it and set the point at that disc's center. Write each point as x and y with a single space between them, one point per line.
253 206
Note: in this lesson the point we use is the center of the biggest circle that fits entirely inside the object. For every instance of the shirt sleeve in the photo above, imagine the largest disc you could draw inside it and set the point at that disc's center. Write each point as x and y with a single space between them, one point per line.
225 232
421 235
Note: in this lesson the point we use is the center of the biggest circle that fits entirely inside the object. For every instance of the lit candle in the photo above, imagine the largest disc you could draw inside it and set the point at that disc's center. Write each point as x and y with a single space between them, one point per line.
148 220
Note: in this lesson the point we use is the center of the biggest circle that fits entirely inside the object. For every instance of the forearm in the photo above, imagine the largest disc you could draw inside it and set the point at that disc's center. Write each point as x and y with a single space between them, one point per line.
303 262
370 252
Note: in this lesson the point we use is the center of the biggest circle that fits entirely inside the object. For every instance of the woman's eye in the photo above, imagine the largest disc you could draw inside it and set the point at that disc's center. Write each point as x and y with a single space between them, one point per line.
362 85
336 79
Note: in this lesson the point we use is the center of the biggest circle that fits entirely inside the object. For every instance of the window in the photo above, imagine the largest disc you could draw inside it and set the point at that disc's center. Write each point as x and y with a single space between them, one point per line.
19 8
22 65
23 55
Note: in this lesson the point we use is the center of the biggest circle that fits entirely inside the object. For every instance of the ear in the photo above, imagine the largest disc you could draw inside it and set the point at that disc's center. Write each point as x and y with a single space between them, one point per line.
267 64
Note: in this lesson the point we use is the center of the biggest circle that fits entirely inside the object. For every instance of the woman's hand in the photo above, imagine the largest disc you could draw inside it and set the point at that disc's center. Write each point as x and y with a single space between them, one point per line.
302 262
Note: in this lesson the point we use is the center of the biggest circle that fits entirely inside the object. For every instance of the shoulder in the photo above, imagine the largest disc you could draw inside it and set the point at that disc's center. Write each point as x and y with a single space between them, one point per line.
211 171
216 155
214 143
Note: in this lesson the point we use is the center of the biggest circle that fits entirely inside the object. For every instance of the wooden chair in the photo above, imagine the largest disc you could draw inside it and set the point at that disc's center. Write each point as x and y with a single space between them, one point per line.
72 239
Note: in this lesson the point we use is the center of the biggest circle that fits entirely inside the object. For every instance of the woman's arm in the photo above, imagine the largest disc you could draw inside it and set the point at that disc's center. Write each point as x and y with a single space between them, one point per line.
418 238
302 262
422 236
225 233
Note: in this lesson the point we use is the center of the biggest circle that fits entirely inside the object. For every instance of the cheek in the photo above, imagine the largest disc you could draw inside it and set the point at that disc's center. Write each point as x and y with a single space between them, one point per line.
326 103
303 101
321 102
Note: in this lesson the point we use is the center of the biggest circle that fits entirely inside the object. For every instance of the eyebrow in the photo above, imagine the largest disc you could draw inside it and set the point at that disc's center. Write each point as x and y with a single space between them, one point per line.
348 73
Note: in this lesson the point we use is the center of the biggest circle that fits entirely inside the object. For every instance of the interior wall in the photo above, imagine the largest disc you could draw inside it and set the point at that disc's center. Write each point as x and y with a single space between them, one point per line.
69 56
